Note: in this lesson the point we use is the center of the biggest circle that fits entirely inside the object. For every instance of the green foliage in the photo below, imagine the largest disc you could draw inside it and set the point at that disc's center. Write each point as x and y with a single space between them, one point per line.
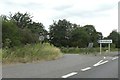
0 54
20 30
27 37
79 38
115 36
21 20
65 34
14 36
76 50
7 43
30 53
93 35
60 32
10 31
37 28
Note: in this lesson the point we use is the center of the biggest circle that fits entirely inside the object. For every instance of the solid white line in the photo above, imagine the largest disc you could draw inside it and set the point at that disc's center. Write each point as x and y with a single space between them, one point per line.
85 69
114 58
70 74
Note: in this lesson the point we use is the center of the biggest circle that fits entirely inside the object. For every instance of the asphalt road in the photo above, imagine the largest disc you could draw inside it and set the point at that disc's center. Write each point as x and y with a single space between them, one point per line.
107 70
69 66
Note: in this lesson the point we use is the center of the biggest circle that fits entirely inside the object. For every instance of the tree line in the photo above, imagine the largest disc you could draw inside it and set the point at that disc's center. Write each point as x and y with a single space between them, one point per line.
19 29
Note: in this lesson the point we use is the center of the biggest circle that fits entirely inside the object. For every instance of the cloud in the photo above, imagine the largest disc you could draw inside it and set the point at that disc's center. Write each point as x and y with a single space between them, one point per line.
99 13
62 7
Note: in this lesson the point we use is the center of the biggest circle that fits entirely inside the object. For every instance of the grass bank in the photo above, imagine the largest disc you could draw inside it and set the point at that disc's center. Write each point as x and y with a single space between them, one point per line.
73 50
30 53
0 54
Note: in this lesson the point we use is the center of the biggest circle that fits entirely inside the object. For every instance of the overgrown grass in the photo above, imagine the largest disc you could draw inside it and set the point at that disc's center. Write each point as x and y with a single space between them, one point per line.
30 53
85 50
0 54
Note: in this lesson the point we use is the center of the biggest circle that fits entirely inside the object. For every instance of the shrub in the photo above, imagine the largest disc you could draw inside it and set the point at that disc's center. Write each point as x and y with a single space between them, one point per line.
10 34
14 36
30 53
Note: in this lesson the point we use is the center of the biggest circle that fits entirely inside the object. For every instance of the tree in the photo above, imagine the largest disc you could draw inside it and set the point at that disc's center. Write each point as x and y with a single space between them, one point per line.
12 35
93 34
27 37
64 33
38 28
79 38
60 33
114 35
10 32
22 20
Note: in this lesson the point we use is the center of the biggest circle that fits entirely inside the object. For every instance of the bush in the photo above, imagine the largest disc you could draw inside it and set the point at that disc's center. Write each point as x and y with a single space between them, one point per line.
14 36
10 34
30 53
27 37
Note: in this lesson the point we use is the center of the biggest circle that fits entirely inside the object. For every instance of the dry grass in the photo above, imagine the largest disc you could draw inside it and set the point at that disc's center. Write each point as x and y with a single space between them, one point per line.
30 53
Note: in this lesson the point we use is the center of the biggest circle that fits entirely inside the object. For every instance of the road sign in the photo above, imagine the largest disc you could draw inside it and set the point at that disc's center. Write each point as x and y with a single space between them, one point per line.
104 41
90 45
41 38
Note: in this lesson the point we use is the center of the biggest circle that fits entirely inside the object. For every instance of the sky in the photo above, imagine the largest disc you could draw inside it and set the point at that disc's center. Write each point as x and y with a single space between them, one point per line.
103 14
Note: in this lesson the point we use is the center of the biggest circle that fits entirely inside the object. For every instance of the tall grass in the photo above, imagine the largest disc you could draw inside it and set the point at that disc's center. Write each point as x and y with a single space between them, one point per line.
30 53
77 50
0 54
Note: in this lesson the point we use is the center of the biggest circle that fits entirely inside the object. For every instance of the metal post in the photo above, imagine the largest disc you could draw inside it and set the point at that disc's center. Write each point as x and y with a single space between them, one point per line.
100 48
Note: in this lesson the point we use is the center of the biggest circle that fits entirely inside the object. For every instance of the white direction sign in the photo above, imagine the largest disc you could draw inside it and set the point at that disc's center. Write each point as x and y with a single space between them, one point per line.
104 41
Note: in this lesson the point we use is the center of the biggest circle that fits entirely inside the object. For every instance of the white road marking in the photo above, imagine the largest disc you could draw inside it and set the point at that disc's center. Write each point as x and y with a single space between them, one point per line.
114 58
96 64
85 69
104 62
100 62
70 74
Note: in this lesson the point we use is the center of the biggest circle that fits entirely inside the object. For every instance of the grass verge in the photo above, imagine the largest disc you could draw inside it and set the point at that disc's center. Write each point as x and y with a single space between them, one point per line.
77 50
0 54
30 53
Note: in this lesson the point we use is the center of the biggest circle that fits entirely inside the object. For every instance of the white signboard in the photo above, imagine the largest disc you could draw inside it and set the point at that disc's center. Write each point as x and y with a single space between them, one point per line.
104 41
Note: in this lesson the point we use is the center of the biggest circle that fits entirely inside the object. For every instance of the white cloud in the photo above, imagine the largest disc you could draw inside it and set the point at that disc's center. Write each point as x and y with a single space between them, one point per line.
101 13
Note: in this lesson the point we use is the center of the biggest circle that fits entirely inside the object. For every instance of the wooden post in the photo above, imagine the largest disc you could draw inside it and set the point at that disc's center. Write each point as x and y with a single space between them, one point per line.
100 48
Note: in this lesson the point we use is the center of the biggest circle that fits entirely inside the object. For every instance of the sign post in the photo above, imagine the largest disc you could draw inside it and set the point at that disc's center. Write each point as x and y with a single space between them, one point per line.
100 48
109 47
90 45
104 41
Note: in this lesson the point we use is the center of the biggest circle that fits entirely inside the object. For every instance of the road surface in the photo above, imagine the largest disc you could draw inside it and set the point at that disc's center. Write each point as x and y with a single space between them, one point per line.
69 66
